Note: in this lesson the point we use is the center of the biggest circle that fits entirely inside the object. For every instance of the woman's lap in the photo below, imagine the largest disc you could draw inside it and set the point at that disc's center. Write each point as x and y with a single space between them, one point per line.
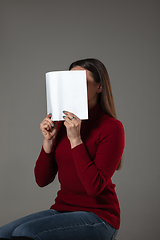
51 224
7 230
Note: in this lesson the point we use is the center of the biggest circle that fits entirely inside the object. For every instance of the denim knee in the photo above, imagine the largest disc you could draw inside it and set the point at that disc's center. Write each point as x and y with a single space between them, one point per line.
5 232
23 230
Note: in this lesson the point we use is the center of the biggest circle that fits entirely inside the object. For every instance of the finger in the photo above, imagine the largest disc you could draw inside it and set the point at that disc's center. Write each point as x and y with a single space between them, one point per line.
68 125
71 116
49 121
48 118
73 120
47 124
47 133
68 120
44 133
49 115
46 127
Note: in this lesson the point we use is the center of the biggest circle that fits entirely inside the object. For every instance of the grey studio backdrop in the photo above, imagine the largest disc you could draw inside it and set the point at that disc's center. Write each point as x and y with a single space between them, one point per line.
39 36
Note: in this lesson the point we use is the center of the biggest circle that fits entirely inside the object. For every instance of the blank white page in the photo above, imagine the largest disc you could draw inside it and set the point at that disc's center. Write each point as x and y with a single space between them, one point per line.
67 91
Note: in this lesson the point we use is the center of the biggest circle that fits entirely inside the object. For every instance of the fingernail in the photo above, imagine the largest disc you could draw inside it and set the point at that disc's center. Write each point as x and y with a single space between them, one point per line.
50 113
63 111
64 116
53 125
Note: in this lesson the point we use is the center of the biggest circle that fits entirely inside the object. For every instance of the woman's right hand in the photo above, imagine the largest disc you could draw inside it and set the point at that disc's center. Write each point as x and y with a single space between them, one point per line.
49 131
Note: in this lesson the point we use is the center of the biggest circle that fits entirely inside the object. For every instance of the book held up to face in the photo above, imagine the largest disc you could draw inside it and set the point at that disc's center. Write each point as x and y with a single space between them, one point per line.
66 91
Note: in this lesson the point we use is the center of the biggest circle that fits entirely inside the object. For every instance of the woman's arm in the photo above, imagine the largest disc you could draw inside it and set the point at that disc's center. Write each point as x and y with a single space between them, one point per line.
46 168
73 127
95 174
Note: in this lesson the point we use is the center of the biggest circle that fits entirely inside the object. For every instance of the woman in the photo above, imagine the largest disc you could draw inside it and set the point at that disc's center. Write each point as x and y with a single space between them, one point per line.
85 154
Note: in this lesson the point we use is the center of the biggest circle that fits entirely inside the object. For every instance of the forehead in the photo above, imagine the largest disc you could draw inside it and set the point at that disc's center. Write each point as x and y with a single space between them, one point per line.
78 68
88 73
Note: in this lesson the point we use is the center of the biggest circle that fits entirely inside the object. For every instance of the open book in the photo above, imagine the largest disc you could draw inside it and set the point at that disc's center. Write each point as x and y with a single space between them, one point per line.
67 91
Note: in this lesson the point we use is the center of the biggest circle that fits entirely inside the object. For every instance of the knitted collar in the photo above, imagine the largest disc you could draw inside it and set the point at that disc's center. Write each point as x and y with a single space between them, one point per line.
95 112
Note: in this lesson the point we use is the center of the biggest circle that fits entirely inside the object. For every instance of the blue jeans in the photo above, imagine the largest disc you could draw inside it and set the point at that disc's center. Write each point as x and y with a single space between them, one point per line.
50 224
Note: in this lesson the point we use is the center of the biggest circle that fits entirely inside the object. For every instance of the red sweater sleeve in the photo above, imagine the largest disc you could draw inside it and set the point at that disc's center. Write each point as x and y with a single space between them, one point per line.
95 175
45 169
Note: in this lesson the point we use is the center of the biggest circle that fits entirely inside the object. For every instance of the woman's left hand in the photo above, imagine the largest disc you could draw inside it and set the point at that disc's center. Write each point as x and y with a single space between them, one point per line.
73 127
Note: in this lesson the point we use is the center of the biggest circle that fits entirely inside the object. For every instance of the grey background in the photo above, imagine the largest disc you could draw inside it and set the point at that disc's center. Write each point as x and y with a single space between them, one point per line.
39 36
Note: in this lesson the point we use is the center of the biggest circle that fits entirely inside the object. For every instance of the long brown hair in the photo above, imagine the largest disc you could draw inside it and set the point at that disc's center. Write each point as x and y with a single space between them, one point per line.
100 74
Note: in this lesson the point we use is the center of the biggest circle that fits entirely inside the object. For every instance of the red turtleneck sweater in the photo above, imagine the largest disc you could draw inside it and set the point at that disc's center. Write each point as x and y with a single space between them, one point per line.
85 171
